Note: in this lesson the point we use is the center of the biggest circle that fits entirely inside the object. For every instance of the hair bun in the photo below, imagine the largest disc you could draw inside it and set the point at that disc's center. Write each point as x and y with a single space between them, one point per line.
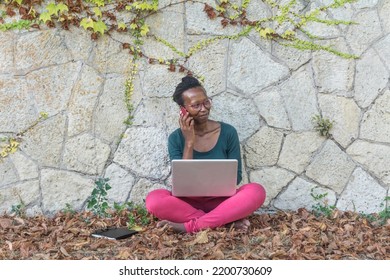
190 81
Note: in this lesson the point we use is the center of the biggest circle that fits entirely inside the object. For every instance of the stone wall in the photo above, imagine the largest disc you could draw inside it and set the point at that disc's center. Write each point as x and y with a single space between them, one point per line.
269 92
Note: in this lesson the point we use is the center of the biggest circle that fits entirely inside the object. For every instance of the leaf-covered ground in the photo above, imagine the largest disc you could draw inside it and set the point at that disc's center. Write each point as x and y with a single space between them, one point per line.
283 235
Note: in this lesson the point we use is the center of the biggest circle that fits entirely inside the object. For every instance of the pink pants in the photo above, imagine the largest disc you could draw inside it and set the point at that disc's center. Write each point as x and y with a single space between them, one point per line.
198 213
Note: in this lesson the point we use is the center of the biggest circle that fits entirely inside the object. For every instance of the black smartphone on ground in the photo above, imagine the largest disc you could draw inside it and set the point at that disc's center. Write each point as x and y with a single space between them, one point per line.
114 233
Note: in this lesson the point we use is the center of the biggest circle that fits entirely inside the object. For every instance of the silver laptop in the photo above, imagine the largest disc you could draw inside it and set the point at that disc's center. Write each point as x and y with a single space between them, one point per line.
204 177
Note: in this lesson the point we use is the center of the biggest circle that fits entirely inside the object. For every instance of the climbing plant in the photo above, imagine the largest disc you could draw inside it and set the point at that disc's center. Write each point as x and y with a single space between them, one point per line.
10 145
287 25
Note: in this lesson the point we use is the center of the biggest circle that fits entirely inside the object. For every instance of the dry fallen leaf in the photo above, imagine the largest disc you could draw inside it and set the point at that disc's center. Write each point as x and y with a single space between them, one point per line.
9 243
63 251
201 238
281 235
5 223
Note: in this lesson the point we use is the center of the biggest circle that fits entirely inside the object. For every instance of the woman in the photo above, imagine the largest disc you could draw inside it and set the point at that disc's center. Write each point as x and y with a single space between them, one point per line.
201 138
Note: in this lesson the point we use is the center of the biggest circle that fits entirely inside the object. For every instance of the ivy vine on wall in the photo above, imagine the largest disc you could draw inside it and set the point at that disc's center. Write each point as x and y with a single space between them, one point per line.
287 25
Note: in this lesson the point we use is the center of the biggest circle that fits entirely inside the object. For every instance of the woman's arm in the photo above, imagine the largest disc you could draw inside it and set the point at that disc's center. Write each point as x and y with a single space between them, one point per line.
233 150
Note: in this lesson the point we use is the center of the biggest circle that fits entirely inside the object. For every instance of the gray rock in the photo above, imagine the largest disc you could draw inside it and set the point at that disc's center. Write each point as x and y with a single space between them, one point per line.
384 12
262 149
25 194
299 97
83 101
44 142
362 185
111 112
17 108
371 78
141 189
121 183
51 87
157 81
374 157
376 121
331 167
344 113
78 42
144 151
161 25
298 195
8 174
333 74
210 63
237 111
360 36
156 112
362 4
272 109
250 69
7 52
109 57
298 150
383 50
294 58
198 22
38 49
63 187
273 179
26 168
319 29
85 154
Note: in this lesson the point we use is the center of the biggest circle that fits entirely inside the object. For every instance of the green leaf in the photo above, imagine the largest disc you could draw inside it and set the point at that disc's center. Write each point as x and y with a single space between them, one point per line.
266 32
52 9
61 7
100 27
122 25
144 29
45 17
97 12
87 23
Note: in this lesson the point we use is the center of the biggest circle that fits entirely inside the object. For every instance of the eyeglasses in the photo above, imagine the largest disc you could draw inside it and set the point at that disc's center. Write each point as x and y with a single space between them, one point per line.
198 106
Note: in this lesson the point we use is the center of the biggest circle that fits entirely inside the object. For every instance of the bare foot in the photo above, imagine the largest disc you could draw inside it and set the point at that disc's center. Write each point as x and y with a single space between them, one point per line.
242 224
177 227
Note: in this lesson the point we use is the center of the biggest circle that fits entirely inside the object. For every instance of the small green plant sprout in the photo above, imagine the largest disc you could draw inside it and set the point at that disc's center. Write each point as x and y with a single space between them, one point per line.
69 209
19 209
126 206
322 125
384 215
321 208
97 203
138 217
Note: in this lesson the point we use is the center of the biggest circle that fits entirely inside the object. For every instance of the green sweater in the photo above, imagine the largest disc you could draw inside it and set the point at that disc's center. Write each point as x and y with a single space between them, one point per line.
227 147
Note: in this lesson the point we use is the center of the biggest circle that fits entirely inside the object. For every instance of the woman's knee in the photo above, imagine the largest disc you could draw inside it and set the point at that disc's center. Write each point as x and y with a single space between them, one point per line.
153 199
256 192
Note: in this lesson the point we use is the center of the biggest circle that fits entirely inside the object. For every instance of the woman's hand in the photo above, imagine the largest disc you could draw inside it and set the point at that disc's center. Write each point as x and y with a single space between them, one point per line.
186 123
